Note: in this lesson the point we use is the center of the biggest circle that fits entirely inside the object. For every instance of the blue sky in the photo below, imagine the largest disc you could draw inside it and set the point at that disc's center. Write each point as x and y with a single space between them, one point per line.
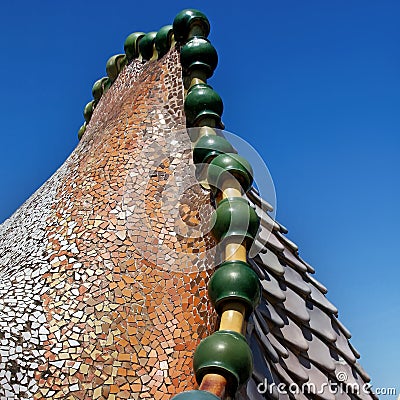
312 85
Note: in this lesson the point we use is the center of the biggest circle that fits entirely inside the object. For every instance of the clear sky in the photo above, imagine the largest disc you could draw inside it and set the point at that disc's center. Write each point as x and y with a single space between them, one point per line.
312 85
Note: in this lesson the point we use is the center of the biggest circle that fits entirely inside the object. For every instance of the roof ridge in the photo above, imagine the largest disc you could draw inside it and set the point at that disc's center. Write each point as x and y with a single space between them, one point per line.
137 46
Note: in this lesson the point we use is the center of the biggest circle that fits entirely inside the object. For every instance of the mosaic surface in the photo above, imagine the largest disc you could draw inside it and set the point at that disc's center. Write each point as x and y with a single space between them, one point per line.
85 311
100 294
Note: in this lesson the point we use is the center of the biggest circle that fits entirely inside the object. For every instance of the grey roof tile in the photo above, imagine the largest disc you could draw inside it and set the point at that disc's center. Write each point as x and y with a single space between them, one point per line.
317 284
271 261
268 238
283 228
320 322
291 384
262 331
294 261
283 395
342 328
342 346
266 220
294 368
268 311
259 320
256 248
271 287
262 370
318 352
278 346
354 350
362 372
309 267
287 241
257 269
320 299
319 382
254 196
292 334
294 279
295 305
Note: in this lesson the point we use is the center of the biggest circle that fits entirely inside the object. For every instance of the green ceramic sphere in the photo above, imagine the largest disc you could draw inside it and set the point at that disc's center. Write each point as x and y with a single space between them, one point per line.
114 66
234 218
202 102
146 45
107 85
227 165
234 281
188 23
225 353
195 395
98 88
88 111
199 54
163 40
208 147
131 45
81 131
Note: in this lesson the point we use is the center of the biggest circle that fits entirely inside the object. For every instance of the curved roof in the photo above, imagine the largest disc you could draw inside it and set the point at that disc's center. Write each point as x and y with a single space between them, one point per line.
93 307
